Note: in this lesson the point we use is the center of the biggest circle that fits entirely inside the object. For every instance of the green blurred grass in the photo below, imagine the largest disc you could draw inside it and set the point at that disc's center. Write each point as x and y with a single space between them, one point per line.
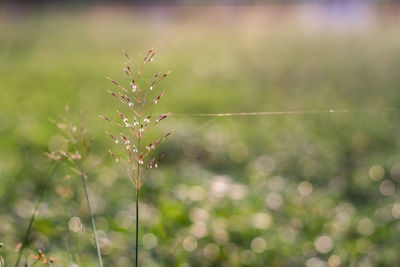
57 57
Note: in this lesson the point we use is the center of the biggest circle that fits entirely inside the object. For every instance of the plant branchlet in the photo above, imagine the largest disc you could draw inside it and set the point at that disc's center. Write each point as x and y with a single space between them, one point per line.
76 152
138 99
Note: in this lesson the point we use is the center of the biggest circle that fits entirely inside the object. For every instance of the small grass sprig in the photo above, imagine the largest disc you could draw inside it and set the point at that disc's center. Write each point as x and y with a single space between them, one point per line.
140 97
42 258
34 214
78 149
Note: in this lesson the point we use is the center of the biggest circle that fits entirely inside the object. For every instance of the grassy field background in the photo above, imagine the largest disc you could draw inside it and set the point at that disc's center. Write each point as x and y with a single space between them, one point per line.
291 190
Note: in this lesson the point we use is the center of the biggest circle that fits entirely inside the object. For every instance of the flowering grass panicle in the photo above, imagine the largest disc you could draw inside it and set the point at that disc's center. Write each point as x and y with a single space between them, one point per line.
76 144
137 99
77 150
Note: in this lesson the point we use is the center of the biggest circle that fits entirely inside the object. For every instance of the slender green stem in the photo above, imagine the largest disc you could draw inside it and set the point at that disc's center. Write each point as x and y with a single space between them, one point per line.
34 214
138 176
92 219
137 226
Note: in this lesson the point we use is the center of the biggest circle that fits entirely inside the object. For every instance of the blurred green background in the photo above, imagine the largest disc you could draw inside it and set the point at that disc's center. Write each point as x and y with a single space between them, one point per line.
290 190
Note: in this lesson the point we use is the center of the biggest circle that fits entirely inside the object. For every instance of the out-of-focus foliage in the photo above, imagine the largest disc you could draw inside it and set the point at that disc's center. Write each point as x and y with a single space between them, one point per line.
293 190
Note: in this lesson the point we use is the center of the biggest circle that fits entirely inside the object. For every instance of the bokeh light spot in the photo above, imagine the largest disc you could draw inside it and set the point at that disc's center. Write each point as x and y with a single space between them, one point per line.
396 210
334 261
262 220
274 200
305 188
211 251
149 241
276 183
75 224
376 172
189 243
258 244
199 229
323 244
365 227
387 188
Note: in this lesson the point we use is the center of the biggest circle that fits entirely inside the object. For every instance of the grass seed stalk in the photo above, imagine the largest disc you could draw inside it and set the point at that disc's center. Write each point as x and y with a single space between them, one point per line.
78 149
137 100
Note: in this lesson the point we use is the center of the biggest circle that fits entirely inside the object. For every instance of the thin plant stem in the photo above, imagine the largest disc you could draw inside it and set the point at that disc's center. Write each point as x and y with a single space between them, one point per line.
92 219
35 213
137 226
138 173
